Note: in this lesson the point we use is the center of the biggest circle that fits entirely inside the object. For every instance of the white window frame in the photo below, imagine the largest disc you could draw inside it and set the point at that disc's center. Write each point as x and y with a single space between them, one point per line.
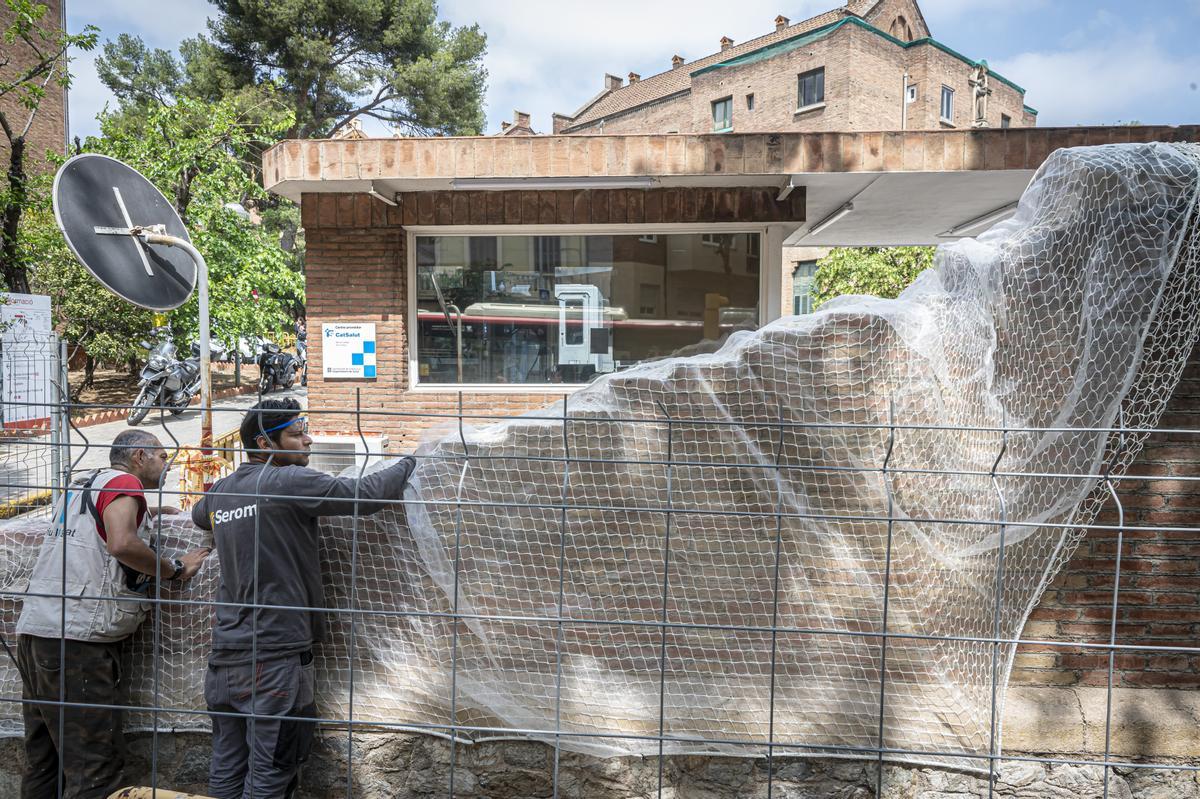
650 239
946 92
770 285
711 240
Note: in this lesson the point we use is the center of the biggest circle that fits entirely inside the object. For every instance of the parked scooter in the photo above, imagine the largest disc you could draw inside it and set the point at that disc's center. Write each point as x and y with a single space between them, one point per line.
275 367
166 382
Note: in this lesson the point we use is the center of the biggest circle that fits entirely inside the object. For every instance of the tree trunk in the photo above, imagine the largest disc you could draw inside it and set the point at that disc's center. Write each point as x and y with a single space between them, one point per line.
89 373
11 269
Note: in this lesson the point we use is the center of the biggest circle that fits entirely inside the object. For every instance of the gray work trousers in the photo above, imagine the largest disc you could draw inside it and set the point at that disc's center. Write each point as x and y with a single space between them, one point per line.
255 757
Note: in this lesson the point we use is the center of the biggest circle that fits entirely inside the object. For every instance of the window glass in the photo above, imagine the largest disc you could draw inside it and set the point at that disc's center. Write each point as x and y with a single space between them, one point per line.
802 287
722 111
1005 121
564 309
947 103
812 88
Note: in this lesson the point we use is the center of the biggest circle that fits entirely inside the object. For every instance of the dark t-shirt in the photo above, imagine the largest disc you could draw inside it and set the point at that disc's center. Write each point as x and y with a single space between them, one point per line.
272 512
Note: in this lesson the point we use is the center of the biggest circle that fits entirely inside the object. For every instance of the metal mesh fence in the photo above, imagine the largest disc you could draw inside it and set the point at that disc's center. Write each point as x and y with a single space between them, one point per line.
822 540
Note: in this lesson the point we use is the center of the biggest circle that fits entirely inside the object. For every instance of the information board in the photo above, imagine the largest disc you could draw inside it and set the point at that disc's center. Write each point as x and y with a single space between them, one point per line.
348 349
27 359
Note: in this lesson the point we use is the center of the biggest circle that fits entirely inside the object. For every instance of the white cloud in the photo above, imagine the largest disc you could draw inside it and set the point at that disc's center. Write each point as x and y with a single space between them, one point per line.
1104 83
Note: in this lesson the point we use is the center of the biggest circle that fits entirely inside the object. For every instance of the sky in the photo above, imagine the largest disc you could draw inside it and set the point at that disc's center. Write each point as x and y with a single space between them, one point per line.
1082 62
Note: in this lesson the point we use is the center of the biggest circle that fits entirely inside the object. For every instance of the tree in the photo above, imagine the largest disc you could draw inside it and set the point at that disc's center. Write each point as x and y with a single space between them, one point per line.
878 271
137 75
332 60
195 152
41 49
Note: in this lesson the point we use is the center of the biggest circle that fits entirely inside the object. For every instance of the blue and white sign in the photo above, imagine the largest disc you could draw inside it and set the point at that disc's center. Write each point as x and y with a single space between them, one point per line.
348 349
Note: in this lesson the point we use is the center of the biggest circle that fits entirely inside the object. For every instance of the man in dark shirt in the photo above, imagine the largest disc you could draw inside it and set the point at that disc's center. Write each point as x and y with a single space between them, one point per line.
264 522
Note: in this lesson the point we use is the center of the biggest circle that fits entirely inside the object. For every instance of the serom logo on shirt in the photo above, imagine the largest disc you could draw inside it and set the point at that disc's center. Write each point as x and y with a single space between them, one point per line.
222 516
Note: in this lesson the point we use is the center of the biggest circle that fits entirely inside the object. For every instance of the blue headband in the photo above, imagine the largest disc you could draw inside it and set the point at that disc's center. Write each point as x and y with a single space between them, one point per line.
288 423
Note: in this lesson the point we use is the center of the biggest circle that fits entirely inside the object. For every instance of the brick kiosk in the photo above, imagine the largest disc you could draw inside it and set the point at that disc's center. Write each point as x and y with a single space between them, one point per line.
359 269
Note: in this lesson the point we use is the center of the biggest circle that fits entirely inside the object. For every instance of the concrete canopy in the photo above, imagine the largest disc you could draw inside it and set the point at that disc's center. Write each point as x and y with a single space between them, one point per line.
884 188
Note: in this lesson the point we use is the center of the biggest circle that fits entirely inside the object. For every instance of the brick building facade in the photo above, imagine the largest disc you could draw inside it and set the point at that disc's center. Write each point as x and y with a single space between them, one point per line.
49 129
869 65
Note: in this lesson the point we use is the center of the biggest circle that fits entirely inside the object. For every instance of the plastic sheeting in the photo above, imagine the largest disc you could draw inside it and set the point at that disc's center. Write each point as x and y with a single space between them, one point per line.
711 549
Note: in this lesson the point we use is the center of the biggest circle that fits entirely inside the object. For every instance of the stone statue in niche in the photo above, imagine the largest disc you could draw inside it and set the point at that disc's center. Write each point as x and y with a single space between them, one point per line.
981 90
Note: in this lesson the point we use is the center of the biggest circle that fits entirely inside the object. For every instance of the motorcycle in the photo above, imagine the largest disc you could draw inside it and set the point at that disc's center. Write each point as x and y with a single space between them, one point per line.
166 381
302 353
275 367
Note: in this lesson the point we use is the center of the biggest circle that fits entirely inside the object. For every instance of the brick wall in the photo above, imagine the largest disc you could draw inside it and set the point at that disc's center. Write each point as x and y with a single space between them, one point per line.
665 116
1160 572
932 68
885 13
49 124
773 82
356 271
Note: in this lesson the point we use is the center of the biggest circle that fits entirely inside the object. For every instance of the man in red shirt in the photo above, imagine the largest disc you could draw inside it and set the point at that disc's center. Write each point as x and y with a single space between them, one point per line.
89 591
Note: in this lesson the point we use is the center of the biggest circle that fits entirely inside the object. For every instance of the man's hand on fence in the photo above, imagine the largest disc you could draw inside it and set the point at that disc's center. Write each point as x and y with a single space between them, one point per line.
192 562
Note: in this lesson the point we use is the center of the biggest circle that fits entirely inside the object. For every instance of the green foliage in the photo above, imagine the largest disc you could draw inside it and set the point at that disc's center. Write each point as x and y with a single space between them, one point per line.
196 153
42 49
877 271
136 74
333 59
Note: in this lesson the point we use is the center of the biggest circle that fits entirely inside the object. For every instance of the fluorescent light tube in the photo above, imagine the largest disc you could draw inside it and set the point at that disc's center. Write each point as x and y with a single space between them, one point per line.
600 182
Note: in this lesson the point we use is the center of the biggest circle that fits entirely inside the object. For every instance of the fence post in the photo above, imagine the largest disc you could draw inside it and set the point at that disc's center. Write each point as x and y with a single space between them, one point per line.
59 418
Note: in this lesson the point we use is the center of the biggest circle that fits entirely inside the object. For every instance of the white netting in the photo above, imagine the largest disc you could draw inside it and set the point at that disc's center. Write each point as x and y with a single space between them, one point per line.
763 465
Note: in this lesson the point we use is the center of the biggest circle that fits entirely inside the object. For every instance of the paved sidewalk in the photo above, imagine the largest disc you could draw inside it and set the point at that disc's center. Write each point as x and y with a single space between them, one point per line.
89 445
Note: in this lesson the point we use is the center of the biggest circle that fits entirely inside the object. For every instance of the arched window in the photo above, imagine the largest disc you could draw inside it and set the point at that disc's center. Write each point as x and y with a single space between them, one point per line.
901 29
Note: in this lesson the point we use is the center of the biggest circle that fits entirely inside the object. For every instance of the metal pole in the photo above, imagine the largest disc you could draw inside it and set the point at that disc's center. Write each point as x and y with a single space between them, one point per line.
56 419
205 349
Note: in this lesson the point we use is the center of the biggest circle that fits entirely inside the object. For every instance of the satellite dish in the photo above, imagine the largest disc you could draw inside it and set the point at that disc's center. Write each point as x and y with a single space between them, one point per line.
105 210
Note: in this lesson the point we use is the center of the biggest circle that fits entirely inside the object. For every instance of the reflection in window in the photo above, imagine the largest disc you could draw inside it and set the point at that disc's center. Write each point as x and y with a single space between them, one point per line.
811 89
802 287
722 114
538 310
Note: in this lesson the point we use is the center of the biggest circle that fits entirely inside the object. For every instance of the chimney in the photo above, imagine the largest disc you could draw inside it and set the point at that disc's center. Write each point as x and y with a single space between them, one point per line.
676 61
726 43
781 22
612 82
520 119
634 78
559 122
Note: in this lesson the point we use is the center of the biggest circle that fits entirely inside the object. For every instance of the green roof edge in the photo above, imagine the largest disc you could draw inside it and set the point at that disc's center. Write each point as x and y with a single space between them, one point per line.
821 32
1029 110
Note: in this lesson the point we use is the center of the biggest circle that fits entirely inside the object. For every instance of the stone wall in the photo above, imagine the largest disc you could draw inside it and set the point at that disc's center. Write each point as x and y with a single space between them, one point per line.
418 767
